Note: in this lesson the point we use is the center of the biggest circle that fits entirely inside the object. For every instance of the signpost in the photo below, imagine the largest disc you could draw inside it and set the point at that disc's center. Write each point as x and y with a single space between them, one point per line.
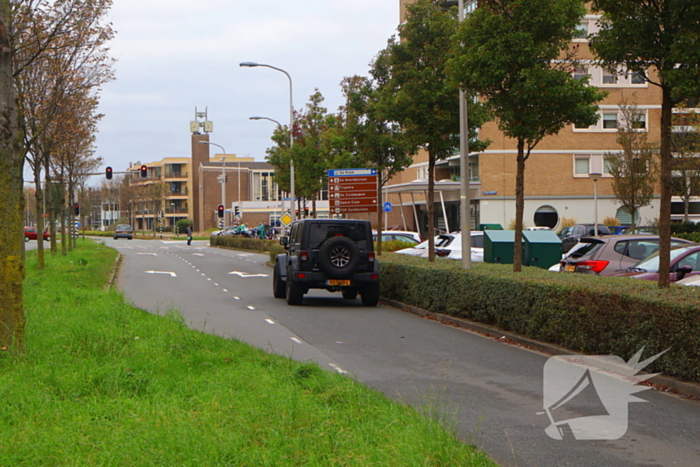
352 190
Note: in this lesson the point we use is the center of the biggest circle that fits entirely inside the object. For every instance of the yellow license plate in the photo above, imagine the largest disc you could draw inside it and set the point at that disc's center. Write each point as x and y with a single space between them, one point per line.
337 282
569 268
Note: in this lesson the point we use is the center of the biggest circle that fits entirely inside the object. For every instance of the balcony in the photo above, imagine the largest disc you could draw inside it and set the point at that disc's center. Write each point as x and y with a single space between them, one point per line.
169 174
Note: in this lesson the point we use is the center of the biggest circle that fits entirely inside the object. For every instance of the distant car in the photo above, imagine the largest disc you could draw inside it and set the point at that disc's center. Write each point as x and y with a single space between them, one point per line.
569 236
123 231
611 253
401 235
685 263
450 246
538 227
641 230
30 233
230 230
617 229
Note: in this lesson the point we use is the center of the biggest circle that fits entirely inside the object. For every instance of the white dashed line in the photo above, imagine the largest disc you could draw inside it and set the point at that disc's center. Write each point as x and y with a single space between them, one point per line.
236 298
298 341
251 307
337 368
216 284
269 321
225 290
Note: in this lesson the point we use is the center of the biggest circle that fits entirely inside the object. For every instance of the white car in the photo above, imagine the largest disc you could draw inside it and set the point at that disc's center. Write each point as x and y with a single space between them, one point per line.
388 235
556 267
450 246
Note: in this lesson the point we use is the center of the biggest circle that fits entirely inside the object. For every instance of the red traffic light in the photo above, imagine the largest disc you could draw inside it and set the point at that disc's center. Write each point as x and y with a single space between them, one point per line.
76 209
108 173
144 171
220 211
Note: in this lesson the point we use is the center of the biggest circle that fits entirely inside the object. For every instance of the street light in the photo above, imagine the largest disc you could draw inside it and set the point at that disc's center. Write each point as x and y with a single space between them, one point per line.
279 125
464 176
595 176
223 173
291 134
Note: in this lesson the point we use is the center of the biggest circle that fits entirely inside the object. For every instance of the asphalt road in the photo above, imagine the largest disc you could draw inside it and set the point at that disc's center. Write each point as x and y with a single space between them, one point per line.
489 391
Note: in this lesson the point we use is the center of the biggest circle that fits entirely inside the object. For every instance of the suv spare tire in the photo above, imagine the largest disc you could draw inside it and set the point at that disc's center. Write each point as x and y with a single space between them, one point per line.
338 256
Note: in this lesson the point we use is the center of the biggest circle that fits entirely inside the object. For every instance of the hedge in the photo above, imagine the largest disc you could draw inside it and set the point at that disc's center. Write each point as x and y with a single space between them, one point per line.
593 315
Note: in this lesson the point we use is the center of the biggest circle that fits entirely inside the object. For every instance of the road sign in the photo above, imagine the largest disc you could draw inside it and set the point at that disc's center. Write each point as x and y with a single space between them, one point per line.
387 207
352 190
286 219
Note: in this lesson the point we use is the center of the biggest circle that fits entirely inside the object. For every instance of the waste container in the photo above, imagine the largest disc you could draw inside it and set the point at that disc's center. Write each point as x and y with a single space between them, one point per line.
490 227
498 246
542 248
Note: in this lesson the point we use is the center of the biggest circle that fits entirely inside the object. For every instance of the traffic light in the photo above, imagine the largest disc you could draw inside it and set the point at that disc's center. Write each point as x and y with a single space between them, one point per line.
237 211
108 173
76 209
144 171
220 211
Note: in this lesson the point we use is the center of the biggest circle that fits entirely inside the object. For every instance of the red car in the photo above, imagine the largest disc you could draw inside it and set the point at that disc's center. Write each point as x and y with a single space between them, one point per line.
30 233
685 262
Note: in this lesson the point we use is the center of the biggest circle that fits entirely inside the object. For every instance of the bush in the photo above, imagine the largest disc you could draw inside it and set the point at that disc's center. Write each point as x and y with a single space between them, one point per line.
595 315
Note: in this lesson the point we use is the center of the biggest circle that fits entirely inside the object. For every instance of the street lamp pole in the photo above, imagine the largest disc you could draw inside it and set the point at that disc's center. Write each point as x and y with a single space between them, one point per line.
595 176
279 125
291 131
223 173
464 175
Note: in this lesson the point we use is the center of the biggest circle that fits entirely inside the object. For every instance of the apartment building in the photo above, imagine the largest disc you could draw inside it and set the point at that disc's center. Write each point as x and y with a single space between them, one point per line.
558 176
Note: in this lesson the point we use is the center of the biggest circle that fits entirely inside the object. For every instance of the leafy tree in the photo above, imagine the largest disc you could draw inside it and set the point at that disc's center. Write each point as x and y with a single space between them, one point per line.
685 147
417 93
514 54
658 40
375 142
634 169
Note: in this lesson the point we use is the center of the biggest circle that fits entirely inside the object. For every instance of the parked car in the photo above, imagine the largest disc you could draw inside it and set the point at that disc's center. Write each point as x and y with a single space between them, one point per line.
450 246
30 233
617 229
123 231
569 236
401 235
644 229
611 253
685 262
230 230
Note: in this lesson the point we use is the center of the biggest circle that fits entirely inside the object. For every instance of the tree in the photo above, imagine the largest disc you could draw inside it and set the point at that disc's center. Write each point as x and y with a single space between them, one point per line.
658 40
418 94
685 148
515 55
374 141
634 169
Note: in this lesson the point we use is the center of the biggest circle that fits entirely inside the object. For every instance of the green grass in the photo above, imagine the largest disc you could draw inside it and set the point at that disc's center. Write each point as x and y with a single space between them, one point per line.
105 384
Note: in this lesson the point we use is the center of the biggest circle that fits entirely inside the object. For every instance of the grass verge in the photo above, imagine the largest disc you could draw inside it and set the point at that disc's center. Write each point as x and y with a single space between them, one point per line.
102 383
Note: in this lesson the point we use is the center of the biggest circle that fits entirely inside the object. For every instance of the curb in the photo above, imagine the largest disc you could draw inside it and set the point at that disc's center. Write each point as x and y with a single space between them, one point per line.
660 383
113 274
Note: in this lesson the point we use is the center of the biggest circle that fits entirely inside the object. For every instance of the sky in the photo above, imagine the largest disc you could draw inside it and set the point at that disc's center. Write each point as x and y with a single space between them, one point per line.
175 55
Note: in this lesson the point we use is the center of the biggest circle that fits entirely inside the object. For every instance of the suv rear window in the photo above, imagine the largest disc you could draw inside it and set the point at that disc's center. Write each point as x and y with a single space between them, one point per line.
318 233
586 248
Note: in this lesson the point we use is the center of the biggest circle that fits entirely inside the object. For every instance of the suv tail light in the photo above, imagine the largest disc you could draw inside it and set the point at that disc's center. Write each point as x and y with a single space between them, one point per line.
442 253
593 265
370 256
303 255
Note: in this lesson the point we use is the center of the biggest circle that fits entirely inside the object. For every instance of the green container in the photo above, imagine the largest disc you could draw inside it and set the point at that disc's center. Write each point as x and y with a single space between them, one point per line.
498 246
542 248
490 227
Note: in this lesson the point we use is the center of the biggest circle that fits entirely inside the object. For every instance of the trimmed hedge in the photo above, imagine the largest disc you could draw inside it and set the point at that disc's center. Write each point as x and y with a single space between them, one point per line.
594 315
242 243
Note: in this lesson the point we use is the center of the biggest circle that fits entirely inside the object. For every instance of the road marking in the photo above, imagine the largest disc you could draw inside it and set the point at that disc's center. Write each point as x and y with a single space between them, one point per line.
208 278
269 321
216 284
245 254
197 254
147 254
225 290
298 341
251 307
245 274
337 368
236 298
172 274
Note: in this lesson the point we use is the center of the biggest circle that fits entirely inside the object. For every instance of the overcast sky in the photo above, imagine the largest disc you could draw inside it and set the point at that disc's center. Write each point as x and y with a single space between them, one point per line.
175 55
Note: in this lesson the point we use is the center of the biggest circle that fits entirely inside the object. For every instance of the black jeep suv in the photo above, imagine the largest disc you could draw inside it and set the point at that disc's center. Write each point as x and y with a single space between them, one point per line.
331 254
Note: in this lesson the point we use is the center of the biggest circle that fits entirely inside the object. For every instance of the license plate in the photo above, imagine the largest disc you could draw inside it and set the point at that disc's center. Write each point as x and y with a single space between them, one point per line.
337 282
569 268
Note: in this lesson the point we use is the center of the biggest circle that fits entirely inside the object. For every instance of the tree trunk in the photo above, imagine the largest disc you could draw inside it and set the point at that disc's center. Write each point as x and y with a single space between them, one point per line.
431 207
666 179
39 197
12 320
519 207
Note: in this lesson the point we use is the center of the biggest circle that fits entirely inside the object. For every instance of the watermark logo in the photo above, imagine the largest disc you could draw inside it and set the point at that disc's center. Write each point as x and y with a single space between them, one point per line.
586 397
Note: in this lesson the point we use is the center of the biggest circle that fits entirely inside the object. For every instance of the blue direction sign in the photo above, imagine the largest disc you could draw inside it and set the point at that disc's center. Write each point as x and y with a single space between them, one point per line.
387 207
351 172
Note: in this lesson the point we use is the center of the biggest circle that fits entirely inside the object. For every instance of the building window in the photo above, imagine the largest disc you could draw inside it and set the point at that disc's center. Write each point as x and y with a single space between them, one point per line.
582 165
639 121
581 31
422 172
637 78
609 76
546 216
580 72
610 120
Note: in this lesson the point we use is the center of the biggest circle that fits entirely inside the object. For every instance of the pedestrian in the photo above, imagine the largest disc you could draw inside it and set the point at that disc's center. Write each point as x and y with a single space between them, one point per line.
189 234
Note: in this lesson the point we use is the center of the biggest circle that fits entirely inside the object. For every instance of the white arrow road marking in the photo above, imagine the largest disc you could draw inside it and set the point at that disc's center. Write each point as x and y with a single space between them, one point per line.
245 274
172 274
298 341
147 254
